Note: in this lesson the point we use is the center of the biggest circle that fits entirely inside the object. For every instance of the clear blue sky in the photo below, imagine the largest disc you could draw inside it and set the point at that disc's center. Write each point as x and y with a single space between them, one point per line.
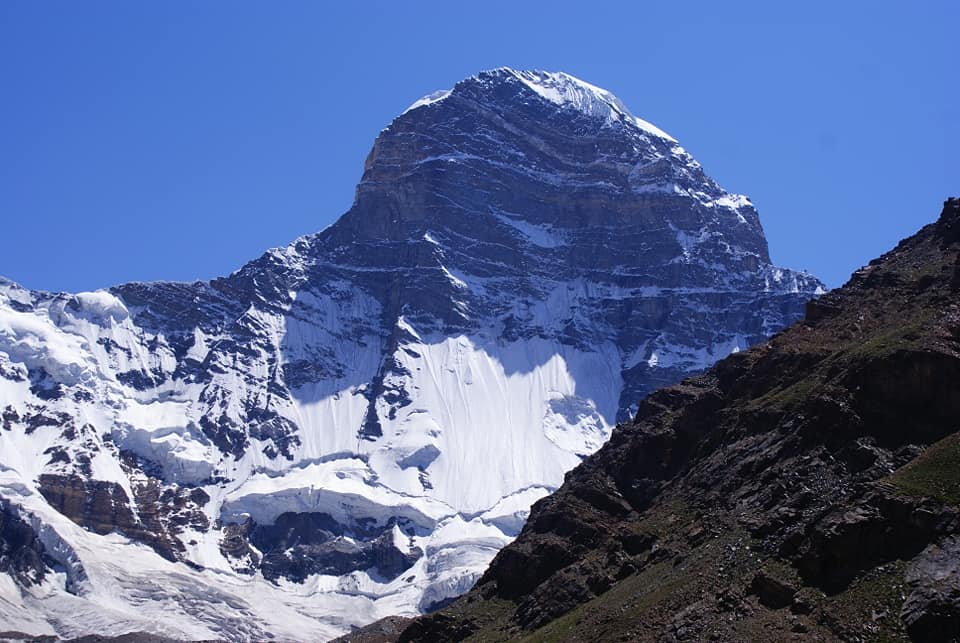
156 140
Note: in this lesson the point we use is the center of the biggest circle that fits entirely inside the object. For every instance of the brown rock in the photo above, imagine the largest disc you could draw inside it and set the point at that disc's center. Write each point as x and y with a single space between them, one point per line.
772 592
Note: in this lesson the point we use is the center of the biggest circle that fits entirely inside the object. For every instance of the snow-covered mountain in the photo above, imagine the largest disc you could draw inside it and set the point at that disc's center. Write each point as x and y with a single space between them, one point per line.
353 425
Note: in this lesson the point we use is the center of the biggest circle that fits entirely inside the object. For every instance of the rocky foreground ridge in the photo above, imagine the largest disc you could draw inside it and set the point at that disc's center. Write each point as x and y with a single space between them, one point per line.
806 489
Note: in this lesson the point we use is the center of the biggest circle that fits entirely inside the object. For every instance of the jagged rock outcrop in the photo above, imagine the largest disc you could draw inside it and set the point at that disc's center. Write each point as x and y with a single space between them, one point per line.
524 261
22 555
932 609
807 488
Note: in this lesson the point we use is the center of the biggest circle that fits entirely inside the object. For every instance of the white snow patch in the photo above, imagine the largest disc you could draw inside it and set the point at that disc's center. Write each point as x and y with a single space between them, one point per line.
429 99
345 489
453 279
164 433
455 380
565 90
510 513
543 235
38 344
100 306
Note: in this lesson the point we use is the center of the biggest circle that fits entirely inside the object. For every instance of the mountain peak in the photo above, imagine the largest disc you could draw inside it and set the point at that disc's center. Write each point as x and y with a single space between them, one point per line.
558 88
373 409
457 150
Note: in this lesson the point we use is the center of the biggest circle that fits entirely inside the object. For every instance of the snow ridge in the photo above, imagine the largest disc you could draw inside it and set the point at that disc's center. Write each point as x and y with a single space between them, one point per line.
565 91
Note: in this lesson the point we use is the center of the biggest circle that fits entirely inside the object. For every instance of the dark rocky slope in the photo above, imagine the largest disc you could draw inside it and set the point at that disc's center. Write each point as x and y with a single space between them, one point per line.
806 489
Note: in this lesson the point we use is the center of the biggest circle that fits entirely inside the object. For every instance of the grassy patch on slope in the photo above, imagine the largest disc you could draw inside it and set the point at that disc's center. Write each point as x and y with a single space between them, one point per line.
935 473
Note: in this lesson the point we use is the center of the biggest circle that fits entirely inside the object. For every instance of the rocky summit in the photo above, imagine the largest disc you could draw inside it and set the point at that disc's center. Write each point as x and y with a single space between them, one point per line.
806 489
352 426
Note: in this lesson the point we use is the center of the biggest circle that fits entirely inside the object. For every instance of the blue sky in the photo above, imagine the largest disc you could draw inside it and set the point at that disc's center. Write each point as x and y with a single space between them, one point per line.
154 140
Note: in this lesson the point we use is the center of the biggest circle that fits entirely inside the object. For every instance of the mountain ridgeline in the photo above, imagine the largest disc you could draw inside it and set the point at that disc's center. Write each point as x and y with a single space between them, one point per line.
352 426
807 489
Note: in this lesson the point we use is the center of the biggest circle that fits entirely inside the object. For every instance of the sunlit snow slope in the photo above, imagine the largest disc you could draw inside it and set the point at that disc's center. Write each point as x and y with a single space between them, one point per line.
351 426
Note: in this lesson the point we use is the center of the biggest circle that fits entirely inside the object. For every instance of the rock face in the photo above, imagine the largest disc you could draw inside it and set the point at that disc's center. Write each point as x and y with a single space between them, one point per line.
352 426
22 555
808 487
932 610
